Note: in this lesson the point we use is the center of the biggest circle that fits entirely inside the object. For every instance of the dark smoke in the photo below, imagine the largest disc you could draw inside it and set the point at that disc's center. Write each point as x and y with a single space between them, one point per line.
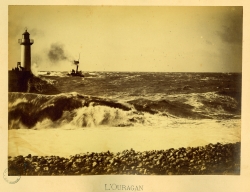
56 53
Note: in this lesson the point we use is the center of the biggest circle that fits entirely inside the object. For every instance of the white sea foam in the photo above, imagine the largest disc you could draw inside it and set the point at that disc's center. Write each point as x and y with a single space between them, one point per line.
99 115
52 73
35 69
178 133
17 101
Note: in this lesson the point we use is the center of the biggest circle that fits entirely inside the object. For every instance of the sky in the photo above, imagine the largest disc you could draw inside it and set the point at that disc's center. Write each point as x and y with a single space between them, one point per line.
129 38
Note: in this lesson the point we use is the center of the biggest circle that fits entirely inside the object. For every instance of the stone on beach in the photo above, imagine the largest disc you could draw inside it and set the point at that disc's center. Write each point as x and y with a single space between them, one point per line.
212 159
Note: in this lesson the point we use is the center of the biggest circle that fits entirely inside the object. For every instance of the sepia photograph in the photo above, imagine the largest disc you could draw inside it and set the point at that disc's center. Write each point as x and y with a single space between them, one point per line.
124 90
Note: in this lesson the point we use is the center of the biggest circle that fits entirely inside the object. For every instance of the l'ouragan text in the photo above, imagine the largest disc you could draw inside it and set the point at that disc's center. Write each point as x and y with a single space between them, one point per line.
124 187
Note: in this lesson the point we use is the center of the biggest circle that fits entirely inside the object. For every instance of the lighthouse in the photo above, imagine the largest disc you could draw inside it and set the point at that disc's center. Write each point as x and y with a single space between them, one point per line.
21 77
26 43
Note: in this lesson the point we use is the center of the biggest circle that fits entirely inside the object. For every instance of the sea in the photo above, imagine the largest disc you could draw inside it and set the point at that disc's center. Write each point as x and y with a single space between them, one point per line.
115 111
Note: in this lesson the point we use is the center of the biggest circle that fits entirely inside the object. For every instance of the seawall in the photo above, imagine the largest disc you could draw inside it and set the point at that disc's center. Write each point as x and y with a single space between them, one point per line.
25 81
18 81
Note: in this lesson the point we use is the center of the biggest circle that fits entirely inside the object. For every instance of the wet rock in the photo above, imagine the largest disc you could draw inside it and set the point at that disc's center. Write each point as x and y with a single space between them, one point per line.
94 164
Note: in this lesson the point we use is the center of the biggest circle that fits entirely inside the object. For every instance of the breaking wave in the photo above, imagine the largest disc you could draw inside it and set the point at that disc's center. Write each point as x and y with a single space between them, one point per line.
28 110
52 73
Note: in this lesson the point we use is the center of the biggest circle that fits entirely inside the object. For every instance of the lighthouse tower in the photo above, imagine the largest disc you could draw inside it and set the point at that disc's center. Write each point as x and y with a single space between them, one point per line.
26 43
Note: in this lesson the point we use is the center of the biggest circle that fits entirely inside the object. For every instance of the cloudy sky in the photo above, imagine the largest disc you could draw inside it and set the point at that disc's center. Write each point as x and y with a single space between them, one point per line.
113 38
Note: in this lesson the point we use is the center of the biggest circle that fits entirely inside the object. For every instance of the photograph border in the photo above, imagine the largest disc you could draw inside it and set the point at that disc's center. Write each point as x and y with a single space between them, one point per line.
149 183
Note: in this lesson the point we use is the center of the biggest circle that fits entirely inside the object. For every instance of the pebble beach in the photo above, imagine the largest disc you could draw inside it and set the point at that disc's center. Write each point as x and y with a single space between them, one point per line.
211 159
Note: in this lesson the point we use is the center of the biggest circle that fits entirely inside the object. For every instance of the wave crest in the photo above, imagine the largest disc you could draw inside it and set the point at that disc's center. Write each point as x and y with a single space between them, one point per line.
31 110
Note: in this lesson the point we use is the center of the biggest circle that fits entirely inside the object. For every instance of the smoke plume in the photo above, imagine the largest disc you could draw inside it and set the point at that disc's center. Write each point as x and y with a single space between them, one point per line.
57 53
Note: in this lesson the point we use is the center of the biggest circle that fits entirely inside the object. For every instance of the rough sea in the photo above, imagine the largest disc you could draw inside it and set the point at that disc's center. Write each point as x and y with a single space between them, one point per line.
122 110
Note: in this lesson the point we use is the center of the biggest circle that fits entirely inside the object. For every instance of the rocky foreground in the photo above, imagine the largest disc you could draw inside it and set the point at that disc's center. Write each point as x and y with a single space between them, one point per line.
212 159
